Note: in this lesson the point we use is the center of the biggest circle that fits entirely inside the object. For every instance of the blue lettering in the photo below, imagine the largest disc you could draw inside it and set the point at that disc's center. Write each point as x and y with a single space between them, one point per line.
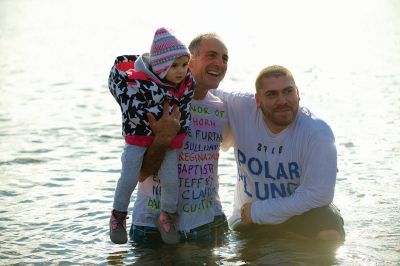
266 191
281 172
272 190
294 170
256 167
241 157
256 171
280 190
291 187
244 178
267 175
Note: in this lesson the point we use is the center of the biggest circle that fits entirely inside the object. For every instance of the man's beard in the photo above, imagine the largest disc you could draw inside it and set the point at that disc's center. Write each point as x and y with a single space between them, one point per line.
281 119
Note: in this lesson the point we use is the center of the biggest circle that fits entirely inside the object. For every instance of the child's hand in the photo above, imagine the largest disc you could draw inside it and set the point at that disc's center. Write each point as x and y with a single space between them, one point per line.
165 129
168 125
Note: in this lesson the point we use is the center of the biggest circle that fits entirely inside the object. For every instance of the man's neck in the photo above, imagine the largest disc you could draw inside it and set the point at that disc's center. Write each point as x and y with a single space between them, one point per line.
200 93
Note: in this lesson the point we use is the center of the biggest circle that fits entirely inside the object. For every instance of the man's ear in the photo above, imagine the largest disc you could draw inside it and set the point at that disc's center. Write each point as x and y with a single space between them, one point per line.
298 93
191 61
257 97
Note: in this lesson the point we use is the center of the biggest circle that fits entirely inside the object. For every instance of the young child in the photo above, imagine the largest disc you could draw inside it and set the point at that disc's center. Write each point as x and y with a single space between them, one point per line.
140 84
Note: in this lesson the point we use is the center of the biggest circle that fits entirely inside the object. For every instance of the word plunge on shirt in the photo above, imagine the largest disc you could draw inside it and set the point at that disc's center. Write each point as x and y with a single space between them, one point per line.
265 191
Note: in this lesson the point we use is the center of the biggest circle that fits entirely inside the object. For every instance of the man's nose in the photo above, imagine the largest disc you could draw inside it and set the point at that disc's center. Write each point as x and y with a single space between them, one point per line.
282 98
219 61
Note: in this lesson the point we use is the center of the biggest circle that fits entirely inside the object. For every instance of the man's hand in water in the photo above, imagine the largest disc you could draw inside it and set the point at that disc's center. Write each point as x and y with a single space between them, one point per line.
245 212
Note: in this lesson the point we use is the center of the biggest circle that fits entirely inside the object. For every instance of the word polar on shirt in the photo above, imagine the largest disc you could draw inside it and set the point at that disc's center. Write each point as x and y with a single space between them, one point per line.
272 185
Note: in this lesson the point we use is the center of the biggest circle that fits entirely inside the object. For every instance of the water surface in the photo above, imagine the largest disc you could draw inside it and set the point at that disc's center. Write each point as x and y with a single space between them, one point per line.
60 142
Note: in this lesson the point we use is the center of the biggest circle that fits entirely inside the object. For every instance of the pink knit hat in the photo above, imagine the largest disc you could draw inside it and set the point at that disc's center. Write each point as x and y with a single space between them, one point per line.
164 51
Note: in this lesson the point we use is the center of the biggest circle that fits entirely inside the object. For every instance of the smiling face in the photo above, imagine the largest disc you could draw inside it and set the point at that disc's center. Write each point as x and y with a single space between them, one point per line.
208 65
278 98
178 70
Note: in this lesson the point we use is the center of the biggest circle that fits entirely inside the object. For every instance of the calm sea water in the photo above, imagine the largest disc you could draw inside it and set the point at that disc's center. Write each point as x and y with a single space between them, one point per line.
60 140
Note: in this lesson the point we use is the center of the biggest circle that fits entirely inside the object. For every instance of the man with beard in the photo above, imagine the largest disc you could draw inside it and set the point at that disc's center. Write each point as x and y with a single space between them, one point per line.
286 159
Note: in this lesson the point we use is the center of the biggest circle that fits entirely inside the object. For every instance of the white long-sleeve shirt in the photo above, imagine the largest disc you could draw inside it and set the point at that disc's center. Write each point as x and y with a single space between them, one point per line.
283 174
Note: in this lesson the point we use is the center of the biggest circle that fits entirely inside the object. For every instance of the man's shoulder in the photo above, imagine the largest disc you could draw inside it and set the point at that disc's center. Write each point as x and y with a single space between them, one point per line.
212 96
220 92
234 98
210 101
312 123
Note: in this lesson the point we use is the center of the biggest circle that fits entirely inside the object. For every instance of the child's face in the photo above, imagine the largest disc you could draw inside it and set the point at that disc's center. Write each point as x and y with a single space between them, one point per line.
178 70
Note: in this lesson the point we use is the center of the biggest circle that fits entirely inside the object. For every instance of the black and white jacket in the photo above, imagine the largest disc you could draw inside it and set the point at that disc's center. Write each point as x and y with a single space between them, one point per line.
139 91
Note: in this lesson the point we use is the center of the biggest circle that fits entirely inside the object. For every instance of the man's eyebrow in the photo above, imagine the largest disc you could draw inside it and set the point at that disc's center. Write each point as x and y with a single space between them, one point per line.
284 89
289 87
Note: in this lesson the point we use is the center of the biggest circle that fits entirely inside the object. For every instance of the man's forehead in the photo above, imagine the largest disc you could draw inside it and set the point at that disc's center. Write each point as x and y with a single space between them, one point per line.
281 80
213 45
277 78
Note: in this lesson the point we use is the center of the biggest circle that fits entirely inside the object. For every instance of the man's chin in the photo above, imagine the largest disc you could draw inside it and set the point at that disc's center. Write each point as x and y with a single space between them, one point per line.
283 118
213 82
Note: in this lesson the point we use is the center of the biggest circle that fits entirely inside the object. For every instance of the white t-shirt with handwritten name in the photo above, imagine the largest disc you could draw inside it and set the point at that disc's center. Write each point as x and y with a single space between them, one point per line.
283 174
198 200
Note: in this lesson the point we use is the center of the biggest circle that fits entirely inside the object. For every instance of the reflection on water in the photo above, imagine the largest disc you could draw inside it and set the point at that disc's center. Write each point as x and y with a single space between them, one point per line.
255 250
60 137
269 251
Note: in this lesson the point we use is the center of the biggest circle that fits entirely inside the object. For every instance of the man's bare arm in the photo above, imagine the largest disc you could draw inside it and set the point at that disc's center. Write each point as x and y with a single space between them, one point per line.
165 129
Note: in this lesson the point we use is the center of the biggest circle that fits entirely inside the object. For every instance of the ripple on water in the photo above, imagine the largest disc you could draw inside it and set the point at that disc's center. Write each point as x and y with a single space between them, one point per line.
62 179
5 219
50 185
5 119
8 193
64 83
90 202
9 254
58 131
36 151
86 89
348 144
26 201
104 158
100 171
60 194
24 161
107 137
